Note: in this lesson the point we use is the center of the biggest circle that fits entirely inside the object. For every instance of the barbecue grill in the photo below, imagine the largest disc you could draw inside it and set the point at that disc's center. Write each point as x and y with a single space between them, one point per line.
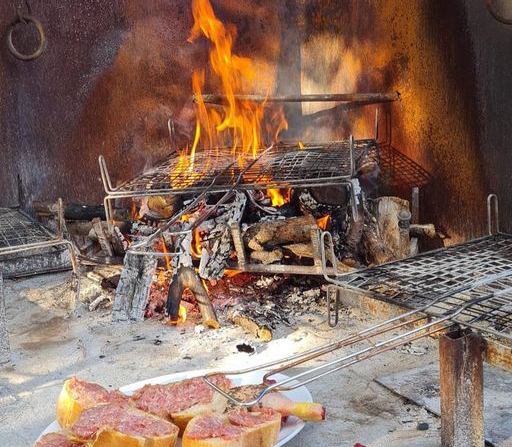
414 282
19 233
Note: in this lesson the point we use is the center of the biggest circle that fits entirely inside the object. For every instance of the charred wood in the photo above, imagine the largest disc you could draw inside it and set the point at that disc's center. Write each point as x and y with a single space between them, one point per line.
267 257
132 291
102 237
72 211
251 321
187 278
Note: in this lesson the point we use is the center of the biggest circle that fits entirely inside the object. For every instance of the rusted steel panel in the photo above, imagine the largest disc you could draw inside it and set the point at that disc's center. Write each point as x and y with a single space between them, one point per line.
461 389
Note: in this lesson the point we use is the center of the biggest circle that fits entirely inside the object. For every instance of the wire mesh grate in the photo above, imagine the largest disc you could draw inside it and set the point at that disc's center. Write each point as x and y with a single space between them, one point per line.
417 281
285 165
399 171
17 229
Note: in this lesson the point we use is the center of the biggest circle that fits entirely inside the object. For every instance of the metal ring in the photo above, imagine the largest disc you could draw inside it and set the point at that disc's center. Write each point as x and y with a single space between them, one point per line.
42 38
494 12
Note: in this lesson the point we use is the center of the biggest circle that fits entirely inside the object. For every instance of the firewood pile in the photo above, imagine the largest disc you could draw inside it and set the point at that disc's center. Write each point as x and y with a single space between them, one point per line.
259 231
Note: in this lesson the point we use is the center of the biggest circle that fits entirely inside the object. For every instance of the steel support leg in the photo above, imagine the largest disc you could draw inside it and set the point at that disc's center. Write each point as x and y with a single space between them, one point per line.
5 353
461 381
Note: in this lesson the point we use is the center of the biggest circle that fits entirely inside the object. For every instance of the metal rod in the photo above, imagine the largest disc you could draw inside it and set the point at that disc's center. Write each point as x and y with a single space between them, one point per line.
490 199
441 321
366 98
461 389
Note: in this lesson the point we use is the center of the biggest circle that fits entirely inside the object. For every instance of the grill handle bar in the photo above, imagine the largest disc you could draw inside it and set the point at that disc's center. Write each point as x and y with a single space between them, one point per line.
364 98
440 322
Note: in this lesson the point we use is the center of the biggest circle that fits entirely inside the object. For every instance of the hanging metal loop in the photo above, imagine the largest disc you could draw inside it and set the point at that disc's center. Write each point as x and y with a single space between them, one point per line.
26 19
497 15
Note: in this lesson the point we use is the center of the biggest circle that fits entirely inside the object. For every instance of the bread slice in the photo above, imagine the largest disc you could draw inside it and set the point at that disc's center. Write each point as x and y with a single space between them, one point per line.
224 431
79 395
57 440
172 401
121 425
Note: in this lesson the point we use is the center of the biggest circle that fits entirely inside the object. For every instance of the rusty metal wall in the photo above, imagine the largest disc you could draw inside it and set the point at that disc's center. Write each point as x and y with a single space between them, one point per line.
115 71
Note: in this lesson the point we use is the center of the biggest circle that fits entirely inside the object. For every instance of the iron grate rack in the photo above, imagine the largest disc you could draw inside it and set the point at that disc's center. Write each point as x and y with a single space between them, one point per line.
284 166
417 281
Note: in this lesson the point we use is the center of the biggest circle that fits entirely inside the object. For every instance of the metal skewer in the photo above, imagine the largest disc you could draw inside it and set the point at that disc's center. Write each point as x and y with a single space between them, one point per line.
438 322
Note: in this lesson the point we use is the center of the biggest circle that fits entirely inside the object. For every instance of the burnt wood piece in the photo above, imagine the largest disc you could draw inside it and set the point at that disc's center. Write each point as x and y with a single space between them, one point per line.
305 250
83 228
376 251
104 241
270 234
365 98
428 230
5 351
72 211
187 278
255 324
133 289
215 257
461 384
267 257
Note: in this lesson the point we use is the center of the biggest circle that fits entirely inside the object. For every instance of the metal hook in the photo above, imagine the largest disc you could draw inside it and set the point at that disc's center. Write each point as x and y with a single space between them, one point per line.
490 199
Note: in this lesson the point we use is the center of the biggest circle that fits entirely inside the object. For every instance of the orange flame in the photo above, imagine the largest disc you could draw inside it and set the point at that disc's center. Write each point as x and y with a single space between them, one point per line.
238 125
167 258
324 222
301 146
196 247
279 196
182 314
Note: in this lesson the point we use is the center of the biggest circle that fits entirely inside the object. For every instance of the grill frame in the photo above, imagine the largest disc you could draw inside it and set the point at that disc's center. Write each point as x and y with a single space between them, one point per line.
278 167
19 233
416 281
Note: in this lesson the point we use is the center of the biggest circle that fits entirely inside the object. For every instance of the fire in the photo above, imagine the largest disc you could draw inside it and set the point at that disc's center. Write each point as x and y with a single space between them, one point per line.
196 247
324 222
229 273
167 258
238 124
301 146
182 314
279 196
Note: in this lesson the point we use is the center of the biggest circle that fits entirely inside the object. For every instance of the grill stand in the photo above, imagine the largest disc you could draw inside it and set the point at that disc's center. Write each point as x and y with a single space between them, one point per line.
461 387
5 352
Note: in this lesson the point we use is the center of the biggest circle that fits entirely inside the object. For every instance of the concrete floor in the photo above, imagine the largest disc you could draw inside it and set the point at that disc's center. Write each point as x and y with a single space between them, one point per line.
50 343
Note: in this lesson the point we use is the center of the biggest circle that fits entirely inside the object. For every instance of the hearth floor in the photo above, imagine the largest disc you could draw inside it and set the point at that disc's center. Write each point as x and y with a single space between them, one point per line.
50 344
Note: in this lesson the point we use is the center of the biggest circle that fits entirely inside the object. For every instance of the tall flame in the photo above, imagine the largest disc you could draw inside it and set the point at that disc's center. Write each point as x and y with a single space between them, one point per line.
238 125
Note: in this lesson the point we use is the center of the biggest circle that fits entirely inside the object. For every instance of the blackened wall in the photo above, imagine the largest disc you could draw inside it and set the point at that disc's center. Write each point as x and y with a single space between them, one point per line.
115 71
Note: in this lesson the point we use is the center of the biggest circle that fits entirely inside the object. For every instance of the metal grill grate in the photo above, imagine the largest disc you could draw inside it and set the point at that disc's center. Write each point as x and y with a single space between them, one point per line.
17 229
399 171
283 166
417 281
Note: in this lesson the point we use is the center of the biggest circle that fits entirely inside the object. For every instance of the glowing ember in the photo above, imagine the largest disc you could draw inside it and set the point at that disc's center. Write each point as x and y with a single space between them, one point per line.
324 222
167 258
279 196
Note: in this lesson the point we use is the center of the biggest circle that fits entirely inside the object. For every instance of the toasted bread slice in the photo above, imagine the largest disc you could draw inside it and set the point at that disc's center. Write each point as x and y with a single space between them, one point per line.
79 395
57 440
227 431
121 425
179 402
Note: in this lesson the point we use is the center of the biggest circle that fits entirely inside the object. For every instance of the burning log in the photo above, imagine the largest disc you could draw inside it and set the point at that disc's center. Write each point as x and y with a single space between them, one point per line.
5 353
187 278
251 321
132 292
270 234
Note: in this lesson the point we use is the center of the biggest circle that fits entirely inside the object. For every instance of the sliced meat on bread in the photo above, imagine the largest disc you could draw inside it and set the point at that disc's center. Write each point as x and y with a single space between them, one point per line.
236 428
181 401
121 425
57 440
78 395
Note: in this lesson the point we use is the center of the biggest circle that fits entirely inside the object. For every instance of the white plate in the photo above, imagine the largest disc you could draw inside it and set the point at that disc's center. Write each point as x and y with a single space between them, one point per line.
288 431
